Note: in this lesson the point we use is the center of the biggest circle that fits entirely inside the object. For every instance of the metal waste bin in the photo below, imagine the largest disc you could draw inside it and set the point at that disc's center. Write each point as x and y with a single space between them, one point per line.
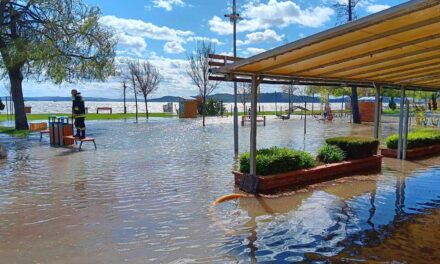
59 127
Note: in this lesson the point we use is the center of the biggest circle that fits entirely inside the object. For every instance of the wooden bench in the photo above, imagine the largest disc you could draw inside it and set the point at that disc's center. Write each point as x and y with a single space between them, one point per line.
43 132
81 141
247 118
104 109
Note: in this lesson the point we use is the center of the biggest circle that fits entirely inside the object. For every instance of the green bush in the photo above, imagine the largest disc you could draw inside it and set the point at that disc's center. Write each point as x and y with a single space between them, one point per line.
330 154
355 147
416 139
277 160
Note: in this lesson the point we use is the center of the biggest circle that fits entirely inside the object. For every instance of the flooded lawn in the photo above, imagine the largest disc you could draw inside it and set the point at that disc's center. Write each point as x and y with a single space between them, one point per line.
145 195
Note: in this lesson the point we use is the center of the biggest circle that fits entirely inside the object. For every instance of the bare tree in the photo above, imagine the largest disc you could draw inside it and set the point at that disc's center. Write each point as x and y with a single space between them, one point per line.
245 94
199 72
148 79
133 70
345 10
346 13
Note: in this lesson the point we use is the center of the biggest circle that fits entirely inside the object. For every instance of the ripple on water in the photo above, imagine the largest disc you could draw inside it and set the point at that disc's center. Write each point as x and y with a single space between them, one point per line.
145 195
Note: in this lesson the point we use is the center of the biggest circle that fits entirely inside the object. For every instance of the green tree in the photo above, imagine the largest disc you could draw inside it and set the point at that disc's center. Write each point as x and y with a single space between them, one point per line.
392 93
2 105
58 40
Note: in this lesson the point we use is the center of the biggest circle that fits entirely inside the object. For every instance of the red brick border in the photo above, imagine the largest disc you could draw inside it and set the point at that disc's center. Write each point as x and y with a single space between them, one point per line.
412 153
320 173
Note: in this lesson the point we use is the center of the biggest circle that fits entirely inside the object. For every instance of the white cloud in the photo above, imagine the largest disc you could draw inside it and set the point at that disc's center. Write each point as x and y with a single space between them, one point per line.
133 43
258 37
214 41
376 8
253 51
173 47
136 27
167 4
131 34
276 13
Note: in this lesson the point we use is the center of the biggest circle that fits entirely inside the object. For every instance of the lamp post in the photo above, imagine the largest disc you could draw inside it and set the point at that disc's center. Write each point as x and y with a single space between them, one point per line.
234 17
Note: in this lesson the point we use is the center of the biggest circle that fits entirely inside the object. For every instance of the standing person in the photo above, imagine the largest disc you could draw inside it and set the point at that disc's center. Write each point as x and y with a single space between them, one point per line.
79 113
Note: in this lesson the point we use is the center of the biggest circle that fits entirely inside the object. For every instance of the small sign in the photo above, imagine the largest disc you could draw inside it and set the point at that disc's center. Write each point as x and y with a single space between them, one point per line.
249 183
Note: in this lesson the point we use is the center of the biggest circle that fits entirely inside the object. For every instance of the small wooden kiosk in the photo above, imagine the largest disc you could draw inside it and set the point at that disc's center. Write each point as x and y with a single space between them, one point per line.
188 108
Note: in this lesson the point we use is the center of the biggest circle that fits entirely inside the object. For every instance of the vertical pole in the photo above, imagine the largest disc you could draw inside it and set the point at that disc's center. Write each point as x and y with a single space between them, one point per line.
342 105
376 112
400 141
7 108
253 143
405 131
235 17
305 117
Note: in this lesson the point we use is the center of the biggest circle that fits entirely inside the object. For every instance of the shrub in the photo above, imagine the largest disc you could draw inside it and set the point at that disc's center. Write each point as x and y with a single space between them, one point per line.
416 139
355 147
277 160
330 154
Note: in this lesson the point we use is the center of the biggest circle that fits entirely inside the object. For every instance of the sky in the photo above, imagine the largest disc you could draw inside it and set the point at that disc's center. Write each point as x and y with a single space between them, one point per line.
164 32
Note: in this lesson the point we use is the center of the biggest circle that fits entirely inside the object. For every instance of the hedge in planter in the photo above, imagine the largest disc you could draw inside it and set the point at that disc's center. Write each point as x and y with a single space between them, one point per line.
355 147
330 154
416 139
277 160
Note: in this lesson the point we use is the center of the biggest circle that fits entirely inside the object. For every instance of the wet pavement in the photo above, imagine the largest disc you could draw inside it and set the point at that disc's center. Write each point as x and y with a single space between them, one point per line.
145 195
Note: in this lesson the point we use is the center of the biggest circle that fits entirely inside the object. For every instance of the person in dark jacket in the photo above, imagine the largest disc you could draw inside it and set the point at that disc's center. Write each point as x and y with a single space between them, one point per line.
79 113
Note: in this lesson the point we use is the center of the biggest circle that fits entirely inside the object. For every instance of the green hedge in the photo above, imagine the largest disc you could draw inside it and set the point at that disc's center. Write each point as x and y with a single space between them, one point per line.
330 154
355 147
416 139
277 160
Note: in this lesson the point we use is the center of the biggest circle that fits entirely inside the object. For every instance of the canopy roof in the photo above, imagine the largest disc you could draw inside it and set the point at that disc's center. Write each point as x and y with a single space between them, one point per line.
397 47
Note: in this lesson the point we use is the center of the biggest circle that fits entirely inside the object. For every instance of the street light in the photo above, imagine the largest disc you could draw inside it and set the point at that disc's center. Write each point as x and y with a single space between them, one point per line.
234 17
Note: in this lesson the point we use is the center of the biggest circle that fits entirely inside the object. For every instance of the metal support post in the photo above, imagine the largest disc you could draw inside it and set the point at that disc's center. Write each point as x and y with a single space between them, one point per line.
405 130
305 117
376 112
401 116
253 143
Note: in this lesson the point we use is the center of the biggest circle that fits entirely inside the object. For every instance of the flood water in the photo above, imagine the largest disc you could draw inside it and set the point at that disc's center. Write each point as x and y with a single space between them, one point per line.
145 196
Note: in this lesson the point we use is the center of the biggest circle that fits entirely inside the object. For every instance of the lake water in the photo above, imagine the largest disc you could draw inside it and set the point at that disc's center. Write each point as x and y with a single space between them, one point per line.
118 107
145 197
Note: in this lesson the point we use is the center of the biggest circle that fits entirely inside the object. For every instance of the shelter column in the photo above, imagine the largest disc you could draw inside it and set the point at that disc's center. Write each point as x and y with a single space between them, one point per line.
253 143
401 116
377 108
405 130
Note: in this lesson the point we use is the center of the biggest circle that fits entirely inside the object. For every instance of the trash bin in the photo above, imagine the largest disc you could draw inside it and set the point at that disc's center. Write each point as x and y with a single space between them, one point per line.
59 127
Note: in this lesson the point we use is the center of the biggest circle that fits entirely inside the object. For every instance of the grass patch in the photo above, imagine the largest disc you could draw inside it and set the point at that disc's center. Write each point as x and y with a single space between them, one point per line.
330 154
416 139
13 132
277 160
355 147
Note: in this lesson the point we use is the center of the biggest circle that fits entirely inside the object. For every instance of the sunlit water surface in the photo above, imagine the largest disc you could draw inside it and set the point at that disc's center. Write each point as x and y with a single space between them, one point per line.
145 195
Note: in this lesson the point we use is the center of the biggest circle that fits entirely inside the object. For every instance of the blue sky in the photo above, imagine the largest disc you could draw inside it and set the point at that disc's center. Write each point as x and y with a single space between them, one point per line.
165 31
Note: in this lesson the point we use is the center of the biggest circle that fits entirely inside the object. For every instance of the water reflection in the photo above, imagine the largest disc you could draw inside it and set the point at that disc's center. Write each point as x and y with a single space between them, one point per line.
331 222
145 196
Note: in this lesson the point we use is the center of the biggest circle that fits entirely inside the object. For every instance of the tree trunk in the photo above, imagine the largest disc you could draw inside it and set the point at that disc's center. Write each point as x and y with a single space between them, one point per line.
146 106
203 108
355 106
136 104
16 79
